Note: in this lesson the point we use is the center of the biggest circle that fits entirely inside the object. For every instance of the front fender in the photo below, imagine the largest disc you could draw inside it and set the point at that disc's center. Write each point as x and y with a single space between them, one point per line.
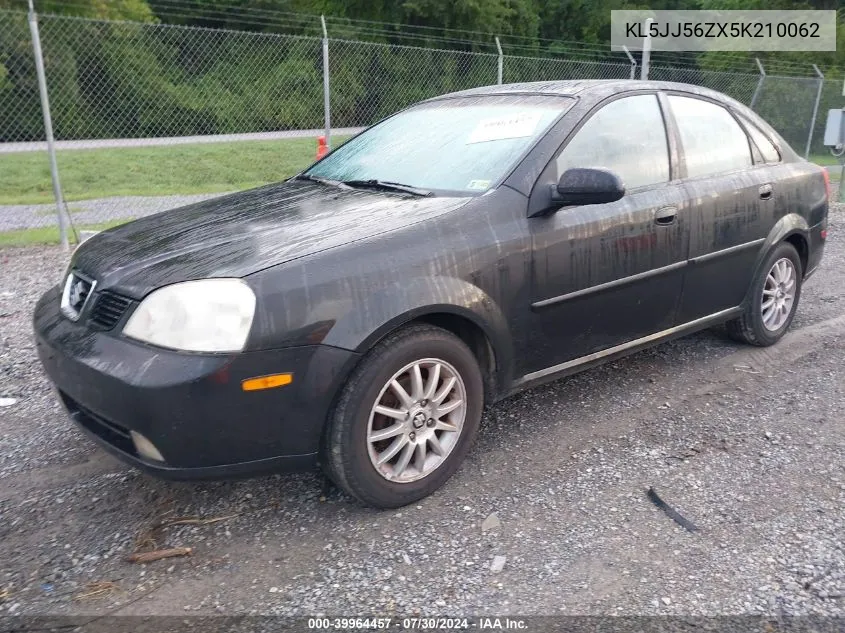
398 303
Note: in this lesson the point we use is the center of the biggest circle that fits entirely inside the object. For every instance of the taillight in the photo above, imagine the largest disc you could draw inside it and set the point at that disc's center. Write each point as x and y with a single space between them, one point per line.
826 181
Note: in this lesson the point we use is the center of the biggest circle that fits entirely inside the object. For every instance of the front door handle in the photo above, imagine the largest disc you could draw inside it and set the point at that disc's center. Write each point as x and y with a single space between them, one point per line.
765 192
665 216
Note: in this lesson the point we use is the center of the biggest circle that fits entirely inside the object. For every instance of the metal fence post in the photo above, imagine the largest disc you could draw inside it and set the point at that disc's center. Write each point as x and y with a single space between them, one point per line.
327 109
759 83
815 110
501 61
48 125
646 49
633 62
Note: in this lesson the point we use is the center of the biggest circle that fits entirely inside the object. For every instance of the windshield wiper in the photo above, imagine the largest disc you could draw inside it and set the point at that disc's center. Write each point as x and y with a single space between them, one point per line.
322 181
385 185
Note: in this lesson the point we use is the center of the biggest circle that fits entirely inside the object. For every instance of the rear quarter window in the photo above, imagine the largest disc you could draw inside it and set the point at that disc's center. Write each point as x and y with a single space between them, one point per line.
768 150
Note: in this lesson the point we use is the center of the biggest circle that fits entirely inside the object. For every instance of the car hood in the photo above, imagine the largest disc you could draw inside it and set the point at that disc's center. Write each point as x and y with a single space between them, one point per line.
242 233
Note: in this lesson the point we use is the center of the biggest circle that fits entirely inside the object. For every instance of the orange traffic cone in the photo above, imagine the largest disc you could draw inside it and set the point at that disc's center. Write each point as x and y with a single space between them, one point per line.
322 148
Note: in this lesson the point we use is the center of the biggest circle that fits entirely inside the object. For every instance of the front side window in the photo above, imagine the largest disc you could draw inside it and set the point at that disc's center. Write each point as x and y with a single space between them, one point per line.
462 145
712 140
627 136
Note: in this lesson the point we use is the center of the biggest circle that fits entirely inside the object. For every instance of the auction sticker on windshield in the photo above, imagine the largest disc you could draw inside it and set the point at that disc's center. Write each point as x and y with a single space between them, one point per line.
504 127
478 184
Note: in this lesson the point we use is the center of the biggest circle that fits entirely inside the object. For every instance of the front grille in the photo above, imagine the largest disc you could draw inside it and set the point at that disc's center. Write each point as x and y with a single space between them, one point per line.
108 309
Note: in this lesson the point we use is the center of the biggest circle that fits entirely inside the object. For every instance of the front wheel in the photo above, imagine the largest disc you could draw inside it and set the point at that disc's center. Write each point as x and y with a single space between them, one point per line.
406 418
774 299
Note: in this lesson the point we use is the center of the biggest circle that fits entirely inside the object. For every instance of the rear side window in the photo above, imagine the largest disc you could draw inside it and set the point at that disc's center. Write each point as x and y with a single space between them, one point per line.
626 136
767 148
713 141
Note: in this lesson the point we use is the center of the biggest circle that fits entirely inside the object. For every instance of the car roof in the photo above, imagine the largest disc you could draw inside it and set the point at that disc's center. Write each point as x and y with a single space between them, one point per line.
572 87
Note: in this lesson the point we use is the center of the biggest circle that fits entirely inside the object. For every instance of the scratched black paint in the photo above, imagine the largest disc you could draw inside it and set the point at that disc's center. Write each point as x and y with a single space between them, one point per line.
335 270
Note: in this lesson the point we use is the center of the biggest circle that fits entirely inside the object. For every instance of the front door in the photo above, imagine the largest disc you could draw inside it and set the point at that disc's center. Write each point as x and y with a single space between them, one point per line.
607 274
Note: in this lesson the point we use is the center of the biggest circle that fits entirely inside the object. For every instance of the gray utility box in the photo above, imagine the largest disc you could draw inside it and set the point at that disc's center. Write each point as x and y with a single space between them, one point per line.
834 130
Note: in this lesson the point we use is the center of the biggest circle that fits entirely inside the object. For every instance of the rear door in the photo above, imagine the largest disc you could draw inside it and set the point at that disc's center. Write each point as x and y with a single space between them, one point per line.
733 205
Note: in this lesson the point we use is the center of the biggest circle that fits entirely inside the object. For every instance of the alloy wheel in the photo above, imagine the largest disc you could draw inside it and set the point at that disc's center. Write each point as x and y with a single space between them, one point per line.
416 420
778 294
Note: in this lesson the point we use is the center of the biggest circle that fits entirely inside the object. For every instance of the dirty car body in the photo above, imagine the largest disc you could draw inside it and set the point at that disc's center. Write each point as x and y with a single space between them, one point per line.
534 288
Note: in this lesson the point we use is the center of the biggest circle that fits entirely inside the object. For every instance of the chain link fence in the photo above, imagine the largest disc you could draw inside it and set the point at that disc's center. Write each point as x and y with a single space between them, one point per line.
787 104
740 86
148 117
124 80
369 81
517 68
20 107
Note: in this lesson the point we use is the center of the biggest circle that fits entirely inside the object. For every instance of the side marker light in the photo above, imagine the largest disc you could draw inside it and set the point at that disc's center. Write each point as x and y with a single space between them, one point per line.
266 382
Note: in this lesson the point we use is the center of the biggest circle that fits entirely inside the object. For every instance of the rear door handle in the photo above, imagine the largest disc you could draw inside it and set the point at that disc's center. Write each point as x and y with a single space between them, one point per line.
665 216
765 192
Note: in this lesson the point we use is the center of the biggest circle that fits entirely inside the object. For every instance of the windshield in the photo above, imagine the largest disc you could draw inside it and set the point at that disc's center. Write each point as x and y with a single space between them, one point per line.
462 145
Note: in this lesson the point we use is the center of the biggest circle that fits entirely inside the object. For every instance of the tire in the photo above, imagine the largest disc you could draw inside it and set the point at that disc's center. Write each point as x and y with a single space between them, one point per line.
352 449
755 325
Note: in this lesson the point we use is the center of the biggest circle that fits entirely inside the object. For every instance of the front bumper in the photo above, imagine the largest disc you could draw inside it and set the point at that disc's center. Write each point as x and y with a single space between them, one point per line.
190 406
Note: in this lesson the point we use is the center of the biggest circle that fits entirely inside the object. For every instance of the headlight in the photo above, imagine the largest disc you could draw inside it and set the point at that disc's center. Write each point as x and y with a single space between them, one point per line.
209 315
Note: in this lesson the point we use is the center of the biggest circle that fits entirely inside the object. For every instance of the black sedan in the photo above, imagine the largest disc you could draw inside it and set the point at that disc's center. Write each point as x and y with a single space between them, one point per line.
360 315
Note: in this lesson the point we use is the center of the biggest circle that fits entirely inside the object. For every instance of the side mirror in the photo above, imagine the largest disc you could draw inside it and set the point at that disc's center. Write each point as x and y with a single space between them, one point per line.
587 185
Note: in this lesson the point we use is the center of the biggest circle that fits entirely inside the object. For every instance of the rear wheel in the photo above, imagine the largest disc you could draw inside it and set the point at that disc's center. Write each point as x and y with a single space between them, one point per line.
774 299
406 418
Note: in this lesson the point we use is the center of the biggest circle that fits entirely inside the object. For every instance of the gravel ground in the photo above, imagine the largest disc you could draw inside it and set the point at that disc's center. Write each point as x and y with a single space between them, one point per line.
748 444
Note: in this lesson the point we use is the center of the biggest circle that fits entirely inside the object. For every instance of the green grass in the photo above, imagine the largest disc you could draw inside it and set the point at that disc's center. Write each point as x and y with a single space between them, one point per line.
47 234
153 171
824 159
